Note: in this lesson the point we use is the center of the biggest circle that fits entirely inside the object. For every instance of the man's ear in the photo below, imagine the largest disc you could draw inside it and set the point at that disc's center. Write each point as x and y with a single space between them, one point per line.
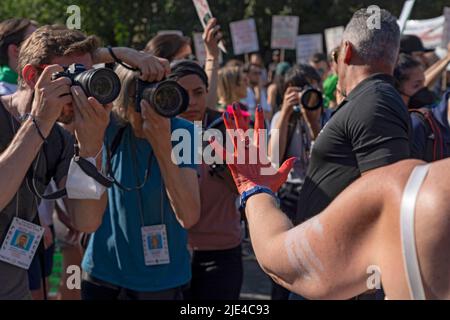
30 75
348 52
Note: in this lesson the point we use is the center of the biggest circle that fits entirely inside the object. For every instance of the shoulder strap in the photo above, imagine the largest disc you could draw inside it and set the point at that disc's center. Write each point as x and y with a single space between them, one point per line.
292 124
436 150
409 250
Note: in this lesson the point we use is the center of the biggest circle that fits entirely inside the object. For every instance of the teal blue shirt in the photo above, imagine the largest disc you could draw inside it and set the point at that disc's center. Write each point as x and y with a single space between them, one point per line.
115 250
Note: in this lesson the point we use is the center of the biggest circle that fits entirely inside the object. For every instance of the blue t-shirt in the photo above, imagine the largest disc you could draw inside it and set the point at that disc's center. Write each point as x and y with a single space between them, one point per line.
115 251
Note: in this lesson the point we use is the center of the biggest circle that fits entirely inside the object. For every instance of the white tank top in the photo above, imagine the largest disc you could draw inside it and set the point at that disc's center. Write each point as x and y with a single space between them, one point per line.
407 213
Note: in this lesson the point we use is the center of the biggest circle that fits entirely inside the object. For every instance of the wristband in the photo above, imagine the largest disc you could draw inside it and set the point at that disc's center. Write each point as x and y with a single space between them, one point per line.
253 191
29 115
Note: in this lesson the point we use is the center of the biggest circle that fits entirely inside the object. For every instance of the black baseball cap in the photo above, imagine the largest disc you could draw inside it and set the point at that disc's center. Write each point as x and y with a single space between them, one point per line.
410 43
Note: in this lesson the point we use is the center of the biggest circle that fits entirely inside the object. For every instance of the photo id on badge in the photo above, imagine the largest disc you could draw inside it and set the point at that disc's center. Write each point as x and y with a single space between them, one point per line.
21 243
154 241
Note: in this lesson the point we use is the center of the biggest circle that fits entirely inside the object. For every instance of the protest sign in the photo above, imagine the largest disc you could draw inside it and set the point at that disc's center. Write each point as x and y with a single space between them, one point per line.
333 37
200 50
308 45
284 32
406 12
244 36
430 31
204 13
446 35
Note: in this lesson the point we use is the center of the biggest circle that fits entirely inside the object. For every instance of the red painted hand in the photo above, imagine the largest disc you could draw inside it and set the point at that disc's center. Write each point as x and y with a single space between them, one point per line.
249 163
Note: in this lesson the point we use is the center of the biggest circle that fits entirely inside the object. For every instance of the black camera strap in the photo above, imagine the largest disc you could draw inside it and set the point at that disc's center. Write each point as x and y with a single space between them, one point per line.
111 151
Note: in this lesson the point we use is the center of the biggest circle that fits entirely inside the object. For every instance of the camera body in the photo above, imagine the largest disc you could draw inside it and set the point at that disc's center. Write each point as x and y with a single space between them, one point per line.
311 99
167 97
103 84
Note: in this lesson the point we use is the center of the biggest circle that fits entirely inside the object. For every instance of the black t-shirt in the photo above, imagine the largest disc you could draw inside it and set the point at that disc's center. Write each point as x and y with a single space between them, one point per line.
370 129
52 161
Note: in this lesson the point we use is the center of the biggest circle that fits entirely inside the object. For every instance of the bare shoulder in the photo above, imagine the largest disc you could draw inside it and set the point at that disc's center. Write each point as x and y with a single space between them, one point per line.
432 231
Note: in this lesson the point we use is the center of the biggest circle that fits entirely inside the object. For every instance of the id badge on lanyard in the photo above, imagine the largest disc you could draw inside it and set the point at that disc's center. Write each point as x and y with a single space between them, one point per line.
21 242
154 240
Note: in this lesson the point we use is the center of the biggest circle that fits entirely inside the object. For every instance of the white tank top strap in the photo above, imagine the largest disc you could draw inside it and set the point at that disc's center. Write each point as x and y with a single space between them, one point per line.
407 213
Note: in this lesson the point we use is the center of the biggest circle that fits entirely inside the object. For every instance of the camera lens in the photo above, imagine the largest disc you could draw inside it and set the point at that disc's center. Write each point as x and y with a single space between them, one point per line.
102 84
170 99
311 99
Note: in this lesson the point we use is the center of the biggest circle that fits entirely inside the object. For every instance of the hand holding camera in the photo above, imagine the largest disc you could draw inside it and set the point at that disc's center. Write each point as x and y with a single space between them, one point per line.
49 98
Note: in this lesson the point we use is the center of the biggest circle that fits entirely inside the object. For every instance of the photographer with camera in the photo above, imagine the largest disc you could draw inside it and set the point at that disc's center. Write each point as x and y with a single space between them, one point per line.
34 149
217 269
140 250
295 125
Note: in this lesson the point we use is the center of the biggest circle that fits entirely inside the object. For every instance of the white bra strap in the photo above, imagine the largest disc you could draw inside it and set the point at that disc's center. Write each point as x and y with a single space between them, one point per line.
407 210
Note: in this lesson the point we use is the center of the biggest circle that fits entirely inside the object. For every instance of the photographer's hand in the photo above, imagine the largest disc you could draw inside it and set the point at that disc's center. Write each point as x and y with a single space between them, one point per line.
152 68
181 183
91 120
50 96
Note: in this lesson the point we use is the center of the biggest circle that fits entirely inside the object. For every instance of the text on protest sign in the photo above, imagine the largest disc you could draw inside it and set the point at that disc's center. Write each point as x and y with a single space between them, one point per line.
244 36
430 31
308 45
284 32
333 37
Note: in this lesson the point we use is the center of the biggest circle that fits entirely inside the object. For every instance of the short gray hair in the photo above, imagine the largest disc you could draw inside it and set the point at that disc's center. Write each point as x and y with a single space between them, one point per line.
374 44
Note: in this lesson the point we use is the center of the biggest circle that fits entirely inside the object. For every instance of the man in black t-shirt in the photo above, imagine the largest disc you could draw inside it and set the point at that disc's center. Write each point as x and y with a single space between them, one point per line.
371 126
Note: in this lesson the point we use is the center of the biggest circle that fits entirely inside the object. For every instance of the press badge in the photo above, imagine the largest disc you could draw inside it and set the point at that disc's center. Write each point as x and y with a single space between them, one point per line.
156 249
21 243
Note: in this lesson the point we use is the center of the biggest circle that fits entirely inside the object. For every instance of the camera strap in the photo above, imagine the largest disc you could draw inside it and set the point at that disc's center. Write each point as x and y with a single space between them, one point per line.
91 170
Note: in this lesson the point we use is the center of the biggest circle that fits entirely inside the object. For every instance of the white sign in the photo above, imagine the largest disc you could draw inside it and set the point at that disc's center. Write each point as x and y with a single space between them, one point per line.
244 36
446 35
177 32
406 12
199 45
308 45
284 32
430 31
333 37
200 50
204 13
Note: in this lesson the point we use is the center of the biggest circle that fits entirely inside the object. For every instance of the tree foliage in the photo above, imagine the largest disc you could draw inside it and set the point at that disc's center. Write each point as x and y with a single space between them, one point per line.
134 22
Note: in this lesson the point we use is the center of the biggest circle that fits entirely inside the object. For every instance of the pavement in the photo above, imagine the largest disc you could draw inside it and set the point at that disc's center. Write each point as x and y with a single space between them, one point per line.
256 284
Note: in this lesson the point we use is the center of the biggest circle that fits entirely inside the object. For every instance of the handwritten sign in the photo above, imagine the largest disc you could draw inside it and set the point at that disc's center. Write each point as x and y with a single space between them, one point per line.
284 32
244 36
333 37
308 45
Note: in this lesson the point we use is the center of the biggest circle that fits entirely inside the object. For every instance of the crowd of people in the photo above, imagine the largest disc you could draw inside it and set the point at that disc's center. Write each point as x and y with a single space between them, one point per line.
173 230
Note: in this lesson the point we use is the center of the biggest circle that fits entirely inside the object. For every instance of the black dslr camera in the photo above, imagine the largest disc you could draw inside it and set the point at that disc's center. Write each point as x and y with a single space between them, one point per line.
311 98
103 84
167 97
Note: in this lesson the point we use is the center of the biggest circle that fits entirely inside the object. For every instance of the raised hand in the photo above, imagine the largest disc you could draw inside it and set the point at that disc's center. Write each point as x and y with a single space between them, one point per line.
247 173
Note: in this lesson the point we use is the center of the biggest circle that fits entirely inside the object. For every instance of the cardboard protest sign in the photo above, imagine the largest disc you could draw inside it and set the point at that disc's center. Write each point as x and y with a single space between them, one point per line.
308 45
244 36
430 31
284 32
204 13
333 37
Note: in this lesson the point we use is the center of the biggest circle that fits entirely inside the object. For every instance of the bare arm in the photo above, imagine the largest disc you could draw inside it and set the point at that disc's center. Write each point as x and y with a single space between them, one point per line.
327 256
433 72
17 158
181 183
212 36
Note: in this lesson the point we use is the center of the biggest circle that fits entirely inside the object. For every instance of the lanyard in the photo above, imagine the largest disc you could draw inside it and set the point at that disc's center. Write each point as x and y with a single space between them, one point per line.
139 190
